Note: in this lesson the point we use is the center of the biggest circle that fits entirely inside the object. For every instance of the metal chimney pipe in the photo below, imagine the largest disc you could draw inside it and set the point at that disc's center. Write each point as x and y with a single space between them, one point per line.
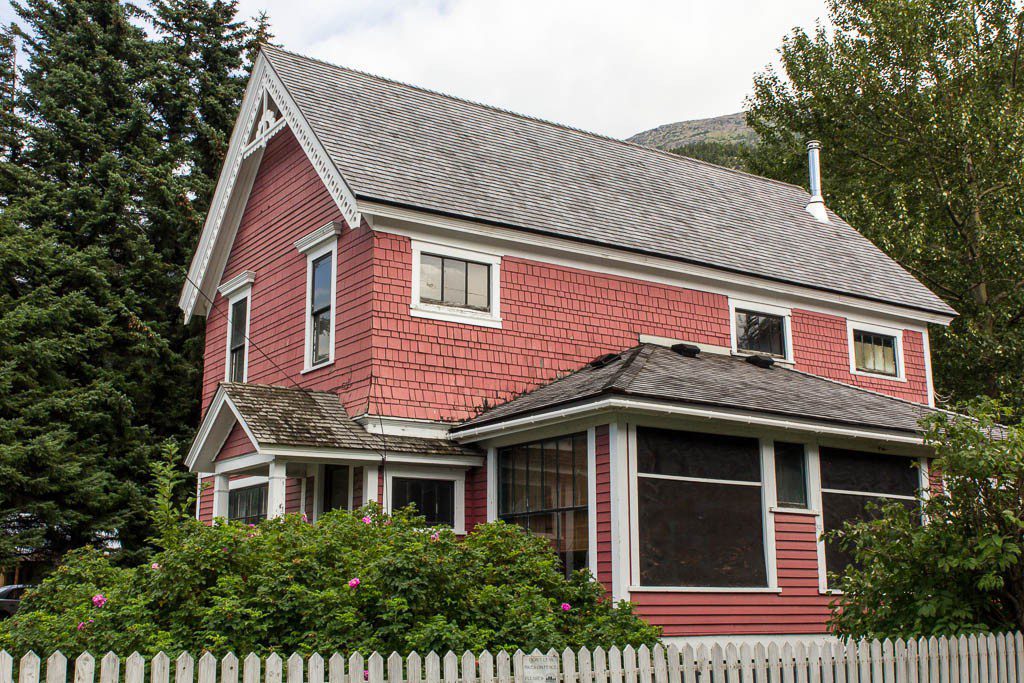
816 206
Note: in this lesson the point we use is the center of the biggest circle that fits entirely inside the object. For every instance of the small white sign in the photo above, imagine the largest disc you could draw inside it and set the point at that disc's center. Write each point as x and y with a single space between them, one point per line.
540 669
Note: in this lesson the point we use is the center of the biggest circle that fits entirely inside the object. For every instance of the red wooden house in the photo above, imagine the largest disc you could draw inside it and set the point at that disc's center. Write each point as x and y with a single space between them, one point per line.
679 373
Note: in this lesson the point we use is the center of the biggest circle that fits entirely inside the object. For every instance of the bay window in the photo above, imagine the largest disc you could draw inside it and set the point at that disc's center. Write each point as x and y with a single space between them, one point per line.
700 510
542 486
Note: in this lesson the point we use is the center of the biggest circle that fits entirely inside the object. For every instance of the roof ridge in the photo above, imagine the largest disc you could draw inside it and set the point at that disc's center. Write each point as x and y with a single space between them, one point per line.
536 119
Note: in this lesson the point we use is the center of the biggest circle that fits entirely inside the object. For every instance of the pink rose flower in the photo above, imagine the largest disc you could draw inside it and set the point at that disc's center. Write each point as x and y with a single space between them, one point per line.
367 520
81 626
435 536
304 517
99 600
353 583
566 607
155 566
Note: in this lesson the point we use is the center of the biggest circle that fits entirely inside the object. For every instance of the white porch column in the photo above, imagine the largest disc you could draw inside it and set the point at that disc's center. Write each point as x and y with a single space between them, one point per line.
618 442
221 489
276 484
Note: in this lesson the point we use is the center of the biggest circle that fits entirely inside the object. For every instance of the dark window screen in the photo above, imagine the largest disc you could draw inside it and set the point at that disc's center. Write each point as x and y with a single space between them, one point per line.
336 478
790 475
691 454
433 498
248 505
840 508
239 313
700 534
868 472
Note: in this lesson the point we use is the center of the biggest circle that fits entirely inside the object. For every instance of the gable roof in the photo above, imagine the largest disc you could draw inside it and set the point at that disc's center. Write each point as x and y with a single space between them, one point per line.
655 372
407 146
284 417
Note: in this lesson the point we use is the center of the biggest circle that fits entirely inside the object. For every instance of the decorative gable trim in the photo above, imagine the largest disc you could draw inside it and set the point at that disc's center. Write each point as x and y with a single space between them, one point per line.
266 109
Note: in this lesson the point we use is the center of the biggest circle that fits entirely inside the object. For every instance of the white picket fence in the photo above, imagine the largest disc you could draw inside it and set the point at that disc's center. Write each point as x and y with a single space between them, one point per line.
987 658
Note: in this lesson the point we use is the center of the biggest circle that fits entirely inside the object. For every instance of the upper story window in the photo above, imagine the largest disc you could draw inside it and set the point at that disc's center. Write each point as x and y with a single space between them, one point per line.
321 250
875 350
761 329
237 291
456 285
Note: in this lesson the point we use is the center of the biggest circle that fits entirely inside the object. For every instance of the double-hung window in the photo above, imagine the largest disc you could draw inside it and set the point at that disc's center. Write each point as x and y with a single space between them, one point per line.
850 482
321 250
700 510
238 291
542 486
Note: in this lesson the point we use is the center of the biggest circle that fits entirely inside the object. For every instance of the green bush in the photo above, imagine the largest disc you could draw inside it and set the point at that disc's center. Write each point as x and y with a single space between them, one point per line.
287 585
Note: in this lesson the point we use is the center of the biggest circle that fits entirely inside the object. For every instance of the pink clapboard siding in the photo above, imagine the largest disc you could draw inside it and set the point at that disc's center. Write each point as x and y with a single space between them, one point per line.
603 505
799 608
476 497
288 201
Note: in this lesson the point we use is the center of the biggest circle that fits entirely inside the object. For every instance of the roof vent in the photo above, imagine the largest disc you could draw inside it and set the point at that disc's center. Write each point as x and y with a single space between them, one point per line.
815 207
604 360
761 361
688 350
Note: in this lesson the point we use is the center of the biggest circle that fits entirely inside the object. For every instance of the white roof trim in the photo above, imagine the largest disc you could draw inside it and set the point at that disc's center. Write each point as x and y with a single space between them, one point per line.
220 418
590 407
235 183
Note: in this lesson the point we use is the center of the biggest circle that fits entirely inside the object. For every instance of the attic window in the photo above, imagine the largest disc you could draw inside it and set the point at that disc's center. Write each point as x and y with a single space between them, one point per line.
875 350
762 329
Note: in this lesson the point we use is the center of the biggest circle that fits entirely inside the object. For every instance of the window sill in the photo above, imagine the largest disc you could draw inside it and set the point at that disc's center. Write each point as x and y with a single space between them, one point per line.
794 511
700 589
454 315
875 375
319 366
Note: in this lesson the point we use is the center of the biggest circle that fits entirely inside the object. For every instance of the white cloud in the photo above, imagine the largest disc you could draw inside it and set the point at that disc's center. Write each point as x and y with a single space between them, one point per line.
611 67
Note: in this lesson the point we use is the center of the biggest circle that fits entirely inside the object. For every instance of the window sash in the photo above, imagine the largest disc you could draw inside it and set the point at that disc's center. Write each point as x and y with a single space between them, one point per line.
875 353
773 344
454 276
236 347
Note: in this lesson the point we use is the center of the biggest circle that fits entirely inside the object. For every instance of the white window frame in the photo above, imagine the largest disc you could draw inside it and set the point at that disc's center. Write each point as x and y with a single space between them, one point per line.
768 503
857 325
421 309
321 242
769 309
440 473
234 290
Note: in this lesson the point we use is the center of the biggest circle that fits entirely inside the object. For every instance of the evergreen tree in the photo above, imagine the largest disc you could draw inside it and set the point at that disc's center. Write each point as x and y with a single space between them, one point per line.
919 105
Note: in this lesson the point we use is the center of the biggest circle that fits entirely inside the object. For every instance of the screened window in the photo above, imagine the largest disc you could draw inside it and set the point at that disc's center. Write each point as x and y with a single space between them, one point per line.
455 282
761 333
236 345
248 505
321 278
542 486
790 475
432 498
875 353
700 510
850 481
337 489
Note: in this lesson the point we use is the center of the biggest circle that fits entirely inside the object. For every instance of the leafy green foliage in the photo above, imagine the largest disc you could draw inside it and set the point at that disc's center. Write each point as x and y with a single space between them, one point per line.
920 109
731 154
961 571
288 585
108 149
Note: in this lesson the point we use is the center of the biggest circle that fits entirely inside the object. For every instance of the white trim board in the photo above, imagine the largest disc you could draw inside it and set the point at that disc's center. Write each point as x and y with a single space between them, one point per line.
237 175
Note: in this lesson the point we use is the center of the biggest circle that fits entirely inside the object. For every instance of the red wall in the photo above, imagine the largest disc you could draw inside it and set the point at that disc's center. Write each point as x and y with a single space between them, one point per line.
800 608
476 497
821 347
603 505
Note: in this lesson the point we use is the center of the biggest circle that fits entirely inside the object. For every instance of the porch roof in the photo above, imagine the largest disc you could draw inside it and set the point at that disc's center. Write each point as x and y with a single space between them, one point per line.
655 372
283 416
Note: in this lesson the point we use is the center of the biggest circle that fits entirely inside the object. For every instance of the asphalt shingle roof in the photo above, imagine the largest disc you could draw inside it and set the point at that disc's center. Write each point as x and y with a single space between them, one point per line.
656 372
299 417
404 145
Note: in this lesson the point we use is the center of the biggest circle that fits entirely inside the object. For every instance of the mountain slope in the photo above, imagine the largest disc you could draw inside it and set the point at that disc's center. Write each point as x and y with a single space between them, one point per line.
731 128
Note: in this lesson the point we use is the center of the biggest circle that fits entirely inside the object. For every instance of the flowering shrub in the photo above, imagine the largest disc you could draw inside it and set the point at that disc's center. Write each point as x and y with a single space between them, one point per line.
352 581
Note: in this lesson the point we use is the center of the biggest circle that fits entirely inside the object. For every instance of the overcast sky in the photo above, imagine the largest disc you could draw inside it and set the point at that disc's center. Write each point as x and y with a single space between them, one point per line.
610 67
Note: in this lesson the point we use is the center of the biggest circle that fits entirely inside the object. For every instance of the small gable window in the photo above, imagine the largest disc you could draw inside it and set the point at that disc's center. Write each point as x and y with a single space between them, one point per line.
322 272
321 250
875 353
762 333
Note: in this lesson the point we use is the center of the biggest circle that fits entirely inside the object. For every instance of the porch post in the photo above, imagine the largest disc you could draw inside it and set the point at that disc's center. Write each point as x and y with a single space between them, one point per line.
276 483
221 489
